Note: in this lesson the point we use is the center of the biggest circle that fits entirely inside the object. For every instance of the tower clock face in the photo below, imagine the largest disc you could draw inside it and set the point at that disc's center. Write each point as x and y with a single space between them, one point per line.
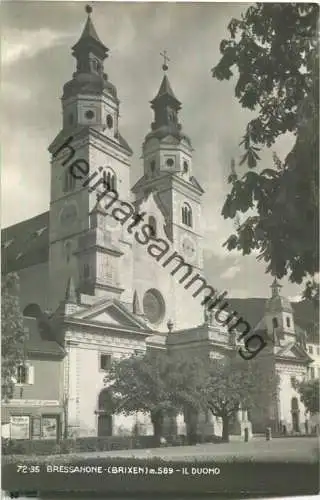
68 215
188 248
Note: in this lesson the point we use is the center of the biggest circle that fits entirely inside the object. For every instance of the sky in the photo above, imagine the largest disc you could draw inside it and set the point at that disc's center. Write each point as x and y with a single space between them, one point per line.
36 62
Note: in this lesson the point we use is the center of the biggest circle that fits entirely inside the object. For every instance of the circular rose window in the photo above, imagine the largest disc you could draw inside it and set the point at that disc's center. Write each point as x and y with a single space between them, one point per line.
153 306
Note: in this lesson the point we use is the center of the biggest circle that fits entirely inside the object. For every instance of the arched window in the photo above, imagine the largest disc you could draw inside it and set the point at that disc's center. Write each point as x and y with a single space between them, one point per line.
95 65
186 214
275 323
153 224
152 166
288 322
32 311
69 182
109 180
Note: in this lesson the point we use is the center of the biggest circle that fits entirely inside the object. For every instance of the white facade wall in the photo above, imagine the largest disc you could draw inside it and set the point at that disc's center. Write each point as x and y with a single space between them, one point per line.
287 392
86 381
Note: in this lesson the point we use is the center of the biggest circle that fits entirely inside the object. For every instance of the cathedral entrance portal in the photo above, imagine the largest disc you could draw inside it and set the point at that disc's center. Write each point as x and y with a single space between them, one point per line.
295 415
105 408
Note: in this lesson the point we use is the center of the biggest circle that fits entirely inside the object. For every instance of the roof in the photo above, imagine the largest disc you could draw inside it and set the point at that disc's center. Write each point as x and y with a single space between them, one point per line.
164 131
41 341
25 244
89 35
292 351
253 310
278 303
90 31
165 90
83 130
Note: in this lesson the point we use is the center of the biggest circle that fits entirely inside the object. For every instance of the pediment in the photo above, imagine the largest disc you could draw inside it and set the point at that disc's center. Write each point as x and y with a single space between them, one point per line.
196 184
111 312
152 205
292 351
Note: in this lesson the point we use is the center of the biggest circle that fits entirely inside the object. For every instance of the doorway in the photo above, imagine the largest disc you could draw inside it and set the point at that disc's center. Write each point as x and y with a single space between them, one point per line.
105 409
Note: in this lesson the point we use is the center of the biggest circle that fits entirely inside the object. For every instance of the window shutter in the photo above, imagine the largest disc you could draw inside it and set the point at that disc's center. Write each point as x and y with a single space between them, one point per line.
30 375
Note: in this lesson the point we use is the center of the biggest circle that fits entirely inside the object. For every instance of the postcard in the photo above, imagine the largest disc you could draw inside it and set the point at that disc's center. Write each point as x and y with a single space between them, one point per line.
160 266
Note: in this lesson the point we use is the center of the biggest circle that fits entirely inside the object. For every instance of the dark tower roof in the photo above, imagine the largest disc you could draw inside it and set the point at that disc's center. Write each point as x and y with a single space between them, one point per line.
90 54
89 31
165 92
166 110
89 39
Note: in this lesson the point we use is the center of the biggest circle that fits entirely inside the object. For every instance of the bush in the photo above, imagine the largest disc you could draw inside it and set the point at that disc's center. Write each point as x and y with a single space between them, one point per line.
79 445
67 446
29 447
11 447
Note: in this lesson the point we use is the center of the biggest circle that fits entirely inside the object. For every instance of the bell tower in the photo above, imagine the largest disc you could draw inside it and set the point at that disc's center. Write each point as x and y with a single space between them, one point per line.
88 153
170 195
279 317
168 173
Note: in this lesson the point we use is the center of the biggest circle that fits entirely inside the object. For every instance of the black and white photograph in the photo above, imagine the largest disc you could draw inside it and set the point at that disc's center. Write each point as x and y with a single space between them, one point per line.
160 249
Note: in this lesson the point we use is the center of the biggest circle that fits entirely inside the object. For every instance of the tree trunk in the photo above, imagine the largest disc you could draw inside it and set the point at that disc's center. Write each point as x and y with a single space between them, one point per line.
225 429
157 422
191 419
65 420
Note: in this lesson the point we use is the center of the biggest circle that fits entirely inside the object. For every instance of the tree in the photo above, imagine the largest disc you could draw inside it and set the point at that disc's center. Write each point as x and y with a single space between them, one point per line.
311 292
233 383
309 394
13 335
140 383
274 48
187 377
65 407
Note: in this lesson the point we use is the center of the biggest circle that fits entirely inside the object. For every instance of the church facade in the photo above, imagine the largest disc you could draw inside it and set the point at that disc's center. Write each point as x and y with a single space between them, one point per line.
109 284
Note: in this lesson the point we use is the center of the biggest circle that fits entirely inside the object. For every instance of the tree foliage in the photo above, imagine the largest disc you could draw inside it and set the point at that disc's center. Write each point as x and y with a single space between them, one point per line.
233 383
309 394
140 383
13 333
274 50
311 292
159 384
186 378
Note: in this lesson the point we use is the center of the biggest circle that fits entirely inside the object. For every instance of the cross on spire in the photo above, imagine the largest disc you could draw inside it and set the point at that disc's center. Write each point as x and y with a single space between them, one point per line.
165 60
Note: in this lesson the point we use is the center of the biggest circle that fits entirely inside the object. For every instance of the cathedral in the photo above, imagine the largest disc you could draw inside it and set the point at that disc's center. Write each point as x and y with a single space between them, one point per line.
103 276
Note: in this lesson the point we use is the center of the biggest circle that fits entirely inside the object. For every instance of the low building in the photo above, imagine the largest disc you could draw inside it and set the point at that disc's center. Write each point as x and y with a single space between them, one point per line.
36 409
